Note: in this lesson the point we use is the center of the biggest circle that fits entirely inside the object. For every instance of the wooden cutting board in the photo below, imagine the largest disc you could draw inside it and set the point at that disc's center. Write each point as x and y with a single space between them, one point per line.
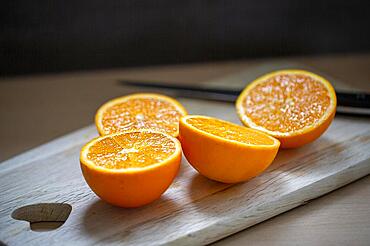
194 210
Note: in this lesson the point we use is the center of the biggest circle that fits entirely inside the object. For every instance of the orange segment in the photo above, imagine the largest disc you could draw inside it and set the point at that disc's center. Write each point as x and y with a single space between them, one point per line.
294 106
131 169
227 130
140 111
301 100
224 151
131 150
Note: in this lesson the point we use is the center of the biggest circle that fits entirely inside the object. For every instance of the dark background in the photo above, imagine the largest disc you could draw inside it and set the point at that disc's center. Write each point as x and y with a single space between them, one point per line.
53 36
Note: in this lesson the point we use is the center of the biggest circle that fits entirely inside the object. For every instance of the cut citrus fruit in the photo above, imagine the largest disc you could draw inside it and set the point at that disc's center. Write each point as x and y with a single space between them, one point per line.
131 169
294 106
224 151
140 111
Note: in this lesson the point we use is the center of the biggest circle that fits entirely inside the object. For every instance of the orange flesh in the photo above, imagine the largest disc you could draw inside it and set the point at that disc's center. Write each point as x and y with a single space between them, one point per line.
287 102
230 131
142 113
136 149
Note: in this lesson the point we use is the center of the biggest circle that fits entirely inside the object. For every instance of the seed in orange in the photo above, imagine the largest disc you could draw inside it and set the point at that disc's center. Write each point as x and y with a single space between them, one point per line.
140 111
131 169
294 106
224 151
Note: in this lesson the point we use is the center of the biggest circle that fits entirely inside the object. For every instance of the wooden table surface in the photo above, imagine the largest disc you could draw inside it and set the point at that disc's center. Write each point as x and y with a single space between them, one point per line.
35 109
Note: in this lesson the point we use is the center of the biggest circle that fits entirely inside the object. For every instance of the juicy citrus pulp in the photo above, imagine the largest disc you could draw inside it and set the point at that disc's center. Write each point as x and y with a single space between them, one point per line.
131 169
140 111
131 150
230 131
224 151
288 103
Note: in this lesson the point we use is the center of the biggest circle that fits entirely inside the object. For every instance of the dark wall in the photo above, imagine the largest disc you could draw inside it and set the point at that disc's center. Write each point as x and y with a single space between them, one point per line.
48 36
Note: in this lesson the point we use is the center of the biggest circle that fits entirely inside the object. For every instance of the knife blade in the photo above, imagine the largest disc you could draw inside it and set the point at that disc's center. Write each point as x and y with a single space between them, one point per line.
349 103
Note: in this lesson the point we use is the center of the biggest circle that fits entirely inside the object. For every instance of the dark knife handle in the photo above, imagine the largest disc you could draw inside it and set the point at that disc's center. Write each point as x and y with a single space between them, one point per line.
356 99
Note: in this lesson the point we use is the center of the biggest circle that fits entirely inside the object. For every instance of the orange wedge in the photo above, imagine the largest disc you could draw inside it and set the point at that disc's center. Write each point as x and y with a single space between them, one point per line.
224 151
140 111
131 169
294 106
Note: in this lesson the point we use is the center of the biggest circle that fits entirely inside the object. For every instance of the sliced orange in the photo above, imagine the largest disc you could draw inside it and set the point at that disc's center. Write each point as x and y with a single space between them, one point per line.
140 111
131 169
294 106
224 151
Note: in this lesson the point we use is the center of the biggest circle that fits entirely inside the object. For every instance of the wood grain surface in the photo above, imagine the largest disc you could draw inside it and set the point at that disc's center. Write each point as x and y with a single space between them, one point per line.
194 210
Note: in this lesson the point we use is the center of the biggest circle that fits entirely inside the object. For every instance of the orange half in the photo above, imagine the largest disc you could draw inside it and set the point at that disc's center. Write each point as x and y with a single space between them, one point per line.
131 169
140 111
224 151
294 106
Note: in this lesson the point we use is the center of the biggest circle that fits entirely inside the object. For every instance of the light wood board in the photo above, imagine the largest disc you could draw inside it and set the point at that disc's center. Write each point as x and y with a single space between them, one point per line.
194 210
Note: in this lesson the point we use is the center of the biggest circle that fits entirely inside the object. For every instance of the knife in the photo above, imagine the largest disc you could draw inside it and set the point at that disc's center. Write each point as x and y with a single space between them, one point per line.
348 103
